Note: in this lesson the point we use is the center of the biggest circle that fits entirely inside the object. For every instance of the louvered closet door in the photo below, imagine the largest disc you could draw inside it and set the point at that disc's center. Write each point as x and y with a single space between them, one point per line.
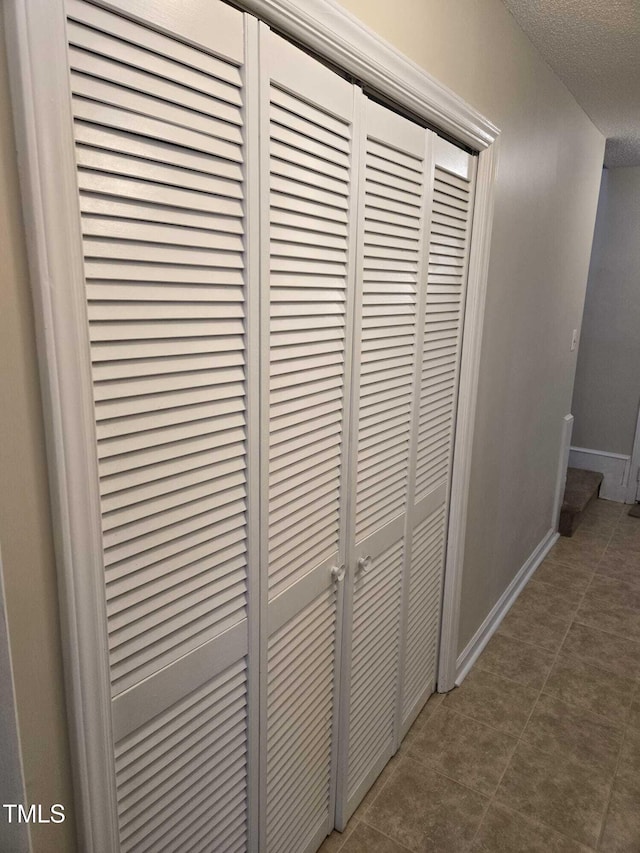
307 166
439 354
391 265
159 125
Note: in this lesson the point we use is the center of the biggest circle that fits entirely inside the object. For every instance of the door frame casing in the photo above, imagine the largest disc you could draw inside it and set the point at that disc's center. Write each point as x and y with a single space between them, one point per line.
36 44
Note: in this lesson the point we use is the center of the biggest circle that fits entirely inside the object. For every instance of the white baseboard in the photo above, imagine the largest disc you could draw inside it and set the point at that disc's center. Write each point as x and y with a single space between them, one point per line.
476 644
614 466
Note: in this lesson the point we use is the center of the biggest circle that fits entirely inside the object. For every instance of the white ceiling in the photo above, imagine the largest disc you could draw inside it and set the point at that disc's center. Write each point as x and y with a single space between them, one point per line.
594 47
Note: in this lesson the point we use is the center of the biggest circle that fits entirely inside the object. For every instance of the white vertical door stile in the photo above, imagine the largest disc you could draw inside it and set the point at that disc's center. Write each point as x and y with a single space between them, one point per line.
308 207
449 232
391 266
159 123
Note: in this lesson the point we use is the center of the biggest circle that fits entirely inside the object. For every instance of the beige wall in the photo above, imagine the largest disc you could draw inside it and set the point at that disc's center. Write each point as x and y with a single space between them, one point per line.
607 390
547 189
25 525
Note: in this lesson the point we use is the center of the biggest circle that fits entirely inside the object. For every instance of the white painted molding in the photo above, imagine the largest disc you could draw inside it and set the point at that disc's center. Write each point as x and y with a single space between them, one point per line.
467 399
476 644
616 468
563 464
332 32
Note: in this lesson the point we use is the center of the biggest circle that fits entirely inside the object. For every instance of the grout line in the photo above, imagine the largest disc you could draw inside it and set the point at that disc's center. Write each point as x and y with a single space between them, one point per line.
390 837
438 772
605 813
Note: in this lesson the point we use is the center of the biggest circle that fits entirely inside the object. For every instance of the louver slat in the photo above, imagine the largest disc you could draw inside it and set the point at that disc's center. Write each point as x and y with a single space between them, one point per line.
300 709
389 326
423 618
307 293
160 155
184 771
152 389
374 662
448 248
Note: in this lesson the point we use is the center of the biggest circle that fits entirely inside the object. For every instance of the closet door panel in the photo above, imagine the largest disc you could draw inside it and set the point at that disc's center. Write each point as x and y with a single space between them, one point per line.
424 594
161 150
389 268
307 166
449 238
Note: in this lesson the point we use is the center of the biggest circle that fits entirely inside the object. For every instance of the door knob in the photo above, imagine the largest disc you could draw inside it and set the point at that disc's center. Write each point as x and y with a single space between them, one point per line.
364 564
337 574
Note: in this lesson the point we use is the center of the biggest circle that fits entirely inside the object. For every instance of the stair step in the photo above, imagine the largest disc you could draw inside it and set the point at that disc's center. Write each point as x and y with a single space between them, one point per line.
581 488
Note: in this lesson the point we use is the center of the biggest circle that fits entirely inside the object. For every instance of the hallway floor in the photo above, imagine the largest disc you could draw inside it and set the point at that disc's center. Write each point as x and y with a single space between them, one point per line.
539 750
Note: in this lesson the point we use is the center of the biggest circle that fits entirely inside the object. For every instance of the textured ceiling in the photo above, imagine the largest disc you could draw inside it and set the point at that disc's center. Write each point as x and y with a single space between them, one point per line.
594 47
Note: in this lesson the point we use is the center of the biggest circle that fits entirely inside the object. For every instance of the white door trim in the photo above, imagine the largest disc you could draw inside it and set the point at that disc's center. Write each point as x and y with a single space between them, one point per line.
40 90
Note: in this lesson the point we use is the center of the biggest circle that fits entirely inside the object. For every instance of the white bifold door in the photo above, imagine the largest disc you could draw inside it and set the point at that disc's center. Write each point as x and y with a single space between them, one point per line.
412 244
272 304
158 99
308 213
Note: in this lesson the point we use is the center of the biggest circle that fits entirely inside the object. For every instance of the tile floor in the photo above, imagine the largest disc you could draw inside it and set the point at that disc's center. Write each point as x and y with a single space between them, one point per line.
539 750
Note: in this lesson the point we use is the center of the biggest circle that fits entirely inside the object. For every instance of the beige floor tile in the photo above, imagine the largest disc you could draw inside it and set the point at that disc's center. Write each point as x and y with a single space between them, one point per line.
504 831
601 517
621 832
629 762
564 577
600 506
521 662
627 534
634 714
366 839
557 792
626 546
433 702
605 615
335 842
425 811
562 730
618 563
539 629
464 750
540 597
583 550
579 683
615 654
493 700
379 784
615 591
